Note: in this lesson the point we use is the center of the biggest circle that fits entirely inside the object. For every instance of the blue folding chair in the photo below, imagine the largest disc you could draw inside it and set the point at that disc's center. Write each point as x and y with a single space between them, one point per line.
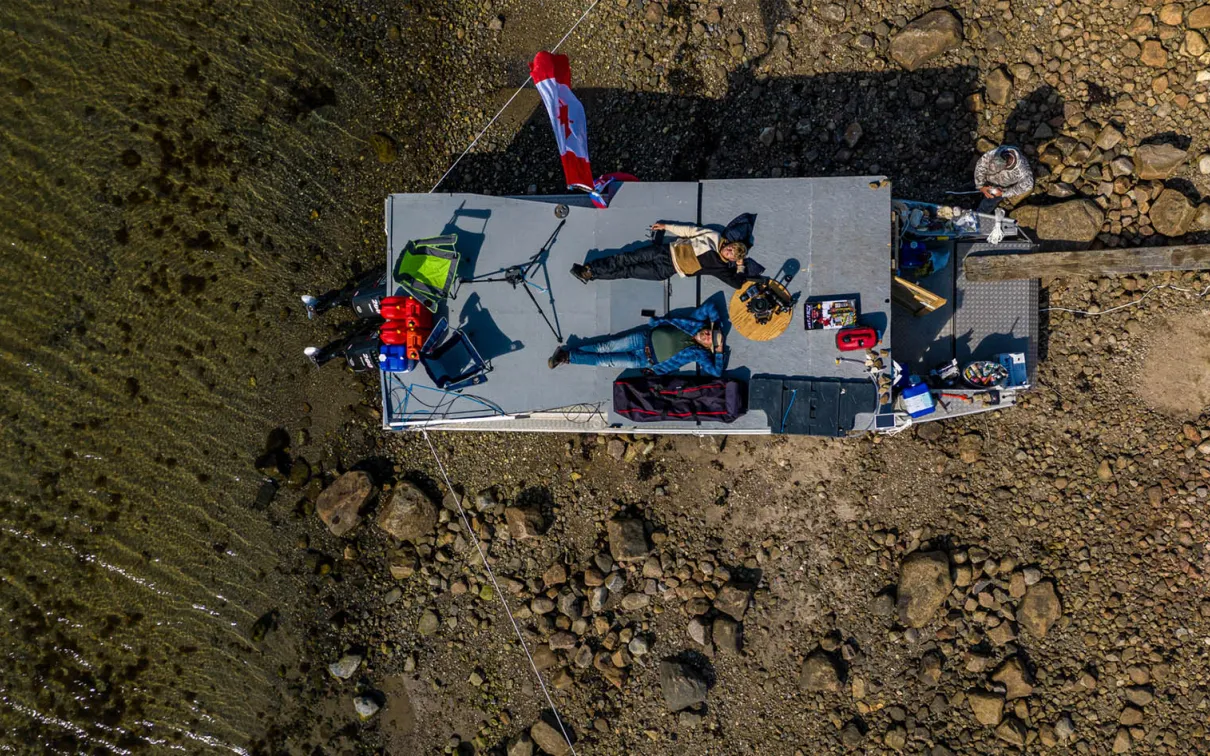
451 360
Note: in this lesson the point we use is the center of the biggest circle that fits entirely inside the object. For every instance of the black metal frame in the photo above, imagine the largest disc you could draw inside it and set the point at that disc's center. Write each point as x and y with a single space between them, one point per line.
441 340
519 275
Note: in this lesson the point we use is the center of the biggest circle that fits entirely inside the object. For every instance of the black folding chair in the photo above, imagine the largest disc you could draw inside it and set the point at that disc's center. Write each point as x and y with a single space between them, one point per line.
451 360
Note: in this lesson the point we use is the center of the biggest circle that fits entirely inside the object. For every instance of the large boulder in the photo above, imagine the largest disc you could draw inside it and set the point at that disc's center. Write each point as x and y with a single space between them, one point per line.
1078 220
1109 137
988 708
732 599
1199 18
339 505
819 673
925 38
409 514
520 744
1158 161
1015 677
627 540
924 584
524 522
428 623
1154 54
345 667
1171 213
1201 217
1012 731
366 706
681 685
550 738
727 635
1040 609
999 86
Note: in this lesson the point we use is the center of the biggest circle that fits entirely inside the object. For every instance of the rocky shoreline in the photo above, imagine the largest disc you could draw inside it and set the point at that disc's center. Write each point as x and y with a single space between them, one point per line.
1019 582
906 625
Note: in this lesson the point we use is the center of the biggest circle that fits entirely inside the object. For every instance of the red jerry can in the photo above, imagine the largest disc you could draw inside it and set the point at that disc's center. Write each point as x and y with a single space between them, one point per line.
407 311
393 332
858 337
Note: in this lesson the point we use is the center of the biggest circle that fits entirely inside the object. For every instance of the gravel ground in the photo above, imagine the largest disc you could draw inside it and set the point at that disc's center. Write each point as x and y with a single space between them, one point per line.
1021 581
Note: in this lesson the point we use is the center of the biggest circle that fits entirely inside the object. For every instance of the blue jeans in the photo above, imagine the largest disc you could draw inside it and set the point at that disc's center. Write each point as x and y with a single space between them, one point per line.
989 205
625 350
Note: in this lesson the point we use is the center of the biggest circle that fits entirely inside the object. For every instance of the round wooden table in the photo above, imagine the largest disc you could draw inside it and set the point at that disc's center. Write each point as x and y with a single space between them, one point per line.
745 323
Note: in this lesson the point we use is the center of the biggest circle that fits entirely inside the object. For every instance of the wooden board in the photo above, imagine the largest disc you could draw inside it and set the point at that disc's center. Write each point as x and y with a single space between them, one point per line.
916 299
745 324
1092 262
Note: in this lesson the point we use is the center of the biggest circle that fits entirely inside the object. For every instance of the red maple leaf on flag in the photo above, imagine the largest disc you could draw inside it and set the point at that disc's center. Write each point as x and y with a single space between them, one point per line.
564 120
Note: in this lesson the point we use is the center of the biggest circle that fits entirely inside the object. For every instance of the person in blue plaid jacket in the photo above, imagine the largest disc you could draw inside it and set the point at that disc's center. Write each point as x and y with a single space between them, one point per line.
664 345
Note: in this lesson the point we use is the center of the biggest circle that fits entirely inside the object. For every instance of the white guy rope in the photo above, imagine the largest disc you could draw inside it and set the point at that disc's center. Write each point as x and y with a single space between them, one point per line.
583 16
1147 293
496 587
500 112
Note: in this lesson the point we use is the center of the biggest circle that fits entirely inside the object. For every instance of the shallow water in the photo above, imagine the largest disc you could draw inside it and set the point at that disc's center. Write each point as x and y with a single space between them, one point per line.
160 165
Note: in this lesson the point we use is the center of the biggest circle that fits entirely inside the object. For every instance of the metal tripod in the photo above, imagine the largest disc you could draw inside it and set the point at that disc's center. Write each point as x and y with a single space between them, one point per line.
519 275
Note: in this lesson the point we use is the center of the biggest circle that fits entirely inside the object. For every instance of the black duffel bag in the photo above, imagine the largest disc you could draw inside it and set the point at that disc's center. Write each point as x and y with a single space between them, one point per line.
679 398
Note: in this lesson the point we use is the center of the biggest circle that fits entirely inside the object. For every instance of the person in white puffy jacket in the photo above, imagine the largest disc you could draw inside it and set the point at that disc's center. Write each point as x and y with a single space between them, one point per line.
694 251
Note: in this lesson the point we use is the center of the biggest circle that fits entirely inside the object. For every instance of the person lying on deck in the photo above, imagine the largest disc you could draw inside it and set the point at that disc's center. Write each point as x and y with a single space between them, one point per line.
664 345
695 251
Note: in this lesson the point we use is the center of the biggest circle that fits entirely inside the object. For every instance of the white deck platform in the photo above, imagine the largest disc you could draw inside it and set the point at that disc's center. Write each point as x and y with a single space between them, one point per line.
836 230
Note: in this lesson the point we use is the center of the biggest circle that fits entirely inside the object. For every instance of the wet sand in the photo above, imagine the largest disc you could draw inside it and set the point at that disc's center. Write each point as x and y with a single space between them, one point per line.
175 175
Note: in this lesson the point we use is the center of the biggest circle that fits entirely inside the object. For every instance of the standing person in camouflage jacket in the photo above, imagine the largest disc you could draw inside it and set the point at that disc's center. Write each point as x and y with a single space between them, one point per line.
1000 174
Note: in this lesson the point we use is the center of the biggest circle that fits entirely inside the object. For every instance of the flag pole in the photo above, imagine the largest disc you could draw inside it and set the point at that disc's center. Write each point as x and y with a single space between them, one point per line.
524 84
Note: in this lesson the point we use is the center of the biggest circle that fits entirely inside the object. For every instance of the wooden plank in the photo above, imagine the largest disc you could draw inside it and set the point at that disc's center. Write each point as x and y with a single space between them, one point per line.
916 299
1092 262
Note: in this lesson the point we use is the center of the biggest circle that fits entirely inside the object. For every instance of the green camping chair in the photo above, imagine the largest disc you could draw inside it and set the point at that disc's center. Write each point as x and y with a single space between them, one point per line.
428 269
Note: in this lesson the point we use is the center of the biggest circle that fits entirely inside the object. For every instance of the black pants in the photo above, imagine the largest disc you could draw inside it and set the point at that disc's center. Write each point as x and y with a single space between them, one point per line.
369 286
335 349
650 263
334 298
360 350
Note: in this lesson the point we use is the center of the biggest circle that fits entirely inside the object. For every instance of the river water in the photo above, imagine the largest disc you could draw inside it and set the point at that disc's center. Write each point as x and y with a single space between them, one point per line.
167 178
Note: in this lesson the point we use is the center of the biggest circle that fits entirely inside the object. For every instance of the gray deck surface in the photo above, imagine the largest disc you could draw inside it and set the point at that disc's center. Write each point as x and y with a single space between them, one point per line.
925 342
979 320
994 317
837 229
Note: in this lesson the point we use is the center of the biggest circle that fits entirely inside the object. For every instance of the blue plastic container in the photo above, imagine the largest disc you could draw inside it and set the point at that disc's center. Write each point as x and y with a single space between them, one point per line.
393 358
918 401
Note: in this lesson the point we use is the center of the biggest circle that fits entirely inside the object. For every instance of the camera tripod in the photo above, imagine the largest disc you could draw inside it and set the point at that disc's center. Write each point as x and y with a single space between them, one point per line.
519 275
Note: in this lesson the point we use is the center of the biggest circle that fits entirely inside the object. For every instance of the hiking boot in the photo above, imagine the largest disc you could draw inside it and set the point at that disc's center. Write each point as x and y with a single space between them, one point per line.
560 357
309 302
581 272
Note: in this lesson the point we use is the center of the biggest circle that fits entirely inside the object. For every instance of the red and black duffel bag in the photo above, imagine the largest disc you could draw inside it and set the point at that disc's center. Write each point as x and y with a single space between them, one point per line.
679 398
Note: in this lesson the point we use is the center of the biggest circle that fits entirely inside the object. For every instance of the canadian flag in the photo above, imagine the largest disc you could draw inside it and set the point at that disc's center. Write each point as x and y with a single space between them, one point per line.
552 77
